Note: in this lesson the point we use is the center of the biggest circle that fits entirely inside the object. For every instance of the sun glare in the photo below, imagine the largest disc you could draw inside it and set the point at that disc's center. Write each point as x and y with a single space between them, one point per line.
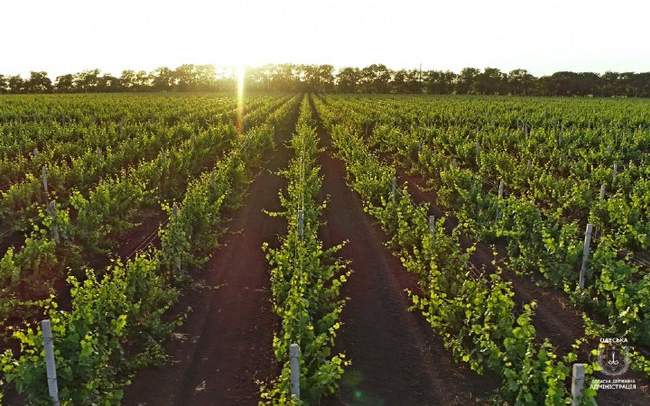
240 76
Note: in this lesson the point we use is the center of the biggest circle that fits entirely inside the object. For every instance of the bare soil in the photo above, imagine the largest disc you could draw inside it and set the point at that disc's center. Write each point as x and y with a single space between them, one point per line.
225 345
396 358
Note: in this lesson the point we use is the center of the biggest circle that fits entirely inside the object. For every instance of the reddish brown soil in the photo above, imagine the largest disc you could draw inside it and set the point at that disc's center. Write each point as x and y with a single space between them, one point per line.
225 345
143 235
396 357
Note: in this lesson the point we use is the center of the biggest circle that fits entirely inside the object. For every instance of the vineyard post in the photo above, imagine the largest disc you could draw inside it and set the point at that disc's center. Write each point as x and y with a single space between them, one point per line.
394 188
585 256
44 179
301 223
51 210
500 196
602 191
294 363
432 224
50 364
577 383
178 258
614 172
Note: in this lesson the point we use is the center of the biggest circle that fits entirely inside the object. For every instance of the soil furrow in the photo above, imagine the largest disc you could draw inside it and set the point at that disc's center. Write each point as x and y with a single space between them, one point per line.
225 345
396 357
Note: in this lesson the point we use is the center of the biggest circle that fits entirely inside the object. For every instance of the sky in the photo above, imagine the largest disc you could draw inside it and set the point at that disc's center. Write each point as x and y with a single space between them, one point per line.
542 36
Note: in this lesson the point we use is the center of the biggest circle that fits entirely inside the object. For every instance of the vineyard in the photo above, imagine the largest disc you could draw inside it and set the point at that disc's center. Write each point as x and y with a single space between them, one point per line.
324 249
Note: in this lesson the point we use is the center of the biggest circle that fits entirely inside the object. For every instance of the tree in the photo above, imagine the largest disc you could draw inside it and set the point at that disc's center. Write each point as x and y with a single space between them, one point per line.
319 78
490 81
466 80
348 80
284 77
406 81
65 83
163 78
205 77
640 83
108 83
128 79
186 77
16 84
38 83
520 82
87 81
375 78
439 82
142 81
136 81
4 84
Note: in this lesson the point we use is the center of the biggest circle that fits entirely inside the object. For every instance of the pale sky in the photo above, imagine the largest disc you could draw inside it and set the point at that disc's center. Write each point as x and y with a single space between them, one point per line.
67 36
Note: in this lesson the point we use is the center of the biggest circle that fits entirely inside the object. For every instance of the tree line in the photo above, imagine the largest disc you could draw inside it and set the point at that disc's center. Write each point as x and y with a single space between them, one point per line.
374 78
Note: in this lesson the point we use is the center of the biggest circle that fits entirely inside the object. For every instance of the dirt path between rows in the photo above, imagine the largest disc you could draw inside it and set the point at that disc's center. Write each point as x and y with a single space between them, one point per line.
396 357
225 345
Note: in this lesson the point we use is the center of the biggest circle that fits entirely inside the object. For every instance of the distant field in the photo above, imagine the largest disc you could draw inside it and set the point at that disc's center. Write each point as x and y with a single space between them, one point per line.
119 212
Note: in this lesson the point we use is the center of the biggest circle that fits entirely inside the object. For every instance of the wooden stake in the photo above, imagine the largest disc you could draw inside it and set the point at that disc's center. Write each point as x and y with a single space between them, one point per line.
301 223
44 173
51 210
577 383
585 256
294 363
50 363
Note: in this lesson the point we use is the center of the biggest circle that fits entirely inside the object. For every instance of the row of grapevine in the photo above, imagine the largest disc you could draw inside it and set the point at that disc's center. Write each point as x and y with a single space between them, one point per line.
70 237
115 324
53 143
306 280
555 181
477 317
21 200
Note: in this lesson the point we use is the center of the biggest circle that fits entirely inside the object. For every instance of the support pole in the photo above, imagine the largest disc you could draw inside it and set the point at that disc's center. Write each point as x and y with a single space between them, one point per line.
50 364
500 196
294 363
51 210
432 224
585 256
577 383
301 223
44 179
